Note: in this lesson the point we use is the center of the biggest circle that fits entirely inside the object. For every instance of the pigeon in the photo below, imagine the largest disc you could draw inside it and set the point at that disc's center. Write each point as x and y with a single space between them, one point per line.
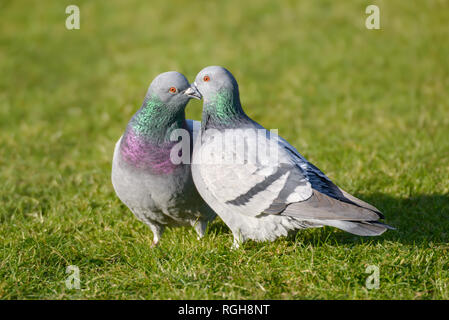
269 192
160 192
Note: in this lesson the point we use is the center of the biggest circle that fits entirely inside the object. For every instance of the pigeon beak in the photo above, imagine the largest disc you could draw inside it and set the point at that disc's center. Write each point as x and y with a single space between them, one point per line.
193 92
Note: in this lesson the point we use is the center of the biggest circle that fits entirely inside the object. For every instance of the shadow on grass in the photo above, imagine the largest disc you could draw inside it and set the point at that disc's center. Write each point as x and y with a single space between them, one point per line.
419 220
218 227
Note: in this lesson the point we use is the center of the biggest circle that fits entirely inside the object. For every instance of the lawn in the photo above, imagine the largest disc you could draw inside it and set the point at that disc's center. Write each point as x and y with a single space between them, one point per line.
368 107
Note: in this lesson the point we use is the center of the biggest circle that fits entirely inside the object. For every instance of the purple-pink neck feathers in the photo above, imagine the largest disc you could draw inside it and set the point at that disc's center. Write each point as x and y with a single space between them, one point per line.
140 152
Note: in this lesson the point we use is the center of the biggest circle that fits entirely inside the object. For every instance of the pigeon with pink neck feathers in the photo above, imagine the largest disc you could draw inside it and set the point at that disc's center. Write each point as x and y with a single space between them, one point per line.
159 191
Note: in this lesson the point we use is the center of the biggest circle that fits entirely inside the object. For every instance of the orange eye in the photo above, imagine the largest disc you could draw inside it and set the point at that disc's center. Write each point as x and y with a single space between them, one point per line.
172 90
206 78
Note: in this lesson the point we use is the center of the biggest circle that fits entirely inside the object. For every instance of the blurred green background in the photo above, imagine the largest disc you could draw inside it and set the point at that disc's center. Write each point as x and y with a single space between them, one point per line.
368 107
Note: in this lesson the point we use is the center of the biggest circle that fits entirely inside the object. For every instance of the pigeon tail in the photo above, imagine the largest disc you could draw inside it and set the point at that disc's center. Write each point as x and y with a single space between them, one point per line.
360 228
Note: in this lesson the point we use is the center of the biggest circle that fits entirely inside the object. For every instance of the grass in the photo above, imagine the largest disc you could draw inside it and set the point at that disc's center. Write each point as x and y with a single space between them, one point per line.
368 107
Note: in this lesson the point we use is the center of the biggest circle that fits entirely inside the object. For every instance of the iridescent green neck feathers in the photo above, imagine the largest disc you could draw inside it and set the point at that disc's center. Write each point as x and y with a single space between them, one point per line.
156 121
223 110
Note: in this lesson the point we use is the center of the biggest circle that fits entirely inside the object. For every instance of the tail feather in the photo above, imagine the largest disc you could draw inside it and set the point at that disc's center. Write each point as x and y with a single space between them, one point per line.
360 228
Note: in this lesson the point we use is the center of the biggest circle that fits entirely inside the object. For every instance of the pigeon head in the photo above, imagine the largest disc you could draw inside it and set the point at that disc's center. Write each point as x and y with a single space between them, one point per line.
214 80
163 109
220 91
172 89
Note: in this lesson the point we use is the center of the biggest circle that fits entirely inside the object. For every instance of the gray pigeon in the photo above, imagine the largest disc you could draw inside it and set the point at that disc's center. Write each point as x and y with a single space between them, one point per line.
267 193
158 191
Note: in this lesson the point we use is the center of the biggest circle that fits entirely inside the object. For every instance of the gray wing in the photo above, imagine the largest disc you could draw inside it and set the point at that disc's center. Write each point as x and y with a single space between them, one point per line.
292 187
249 187
322 207
327 192
330 205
